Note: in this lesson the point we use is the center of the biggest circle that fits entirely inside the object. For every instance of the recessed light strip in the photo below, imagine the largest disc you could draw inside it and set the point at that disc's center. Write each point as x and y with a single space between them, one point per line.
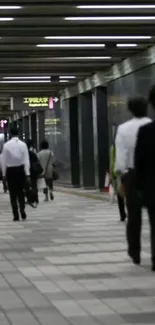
110 18
126 45
63 81
10 7
24 81
67 77
70 58
28 78
97 37
116 7
6 19
71 45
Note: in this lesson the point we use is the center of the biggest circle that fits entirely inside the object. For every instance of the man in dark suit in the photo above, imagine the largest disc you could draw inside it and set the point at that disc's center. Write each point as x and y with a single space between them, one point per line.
145 171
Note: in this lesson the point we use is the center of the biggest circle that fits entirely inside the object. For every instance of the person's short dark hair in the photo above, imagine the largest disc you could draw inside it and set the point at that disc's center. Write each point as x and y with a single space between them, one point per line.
14 132
30 143
152 96
138 107
44 145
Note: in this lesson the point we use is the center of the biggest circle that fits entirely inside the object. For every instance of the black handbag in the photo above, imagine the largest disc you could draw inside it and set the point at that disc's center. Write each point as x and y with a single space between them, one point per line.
36 168
30 195
55 175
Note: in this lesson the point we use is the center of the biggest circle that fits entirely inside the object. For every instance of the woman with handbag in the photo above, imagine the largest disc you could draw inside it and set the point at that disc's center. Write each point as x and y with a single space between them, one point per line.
46 159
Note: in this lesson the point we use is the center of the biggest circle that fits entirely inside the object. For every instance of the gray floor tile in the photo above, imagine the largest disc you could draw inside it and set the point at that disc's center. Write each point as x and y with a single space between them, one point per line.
67 265
23 318
83 321
140 318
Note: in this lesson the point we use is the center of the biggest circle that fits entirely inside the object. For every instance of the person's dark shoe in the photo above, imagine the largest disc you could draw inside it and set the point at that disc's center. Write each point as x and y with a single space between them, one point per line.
123 218
23 215
153 268
136 260
51 196
15 219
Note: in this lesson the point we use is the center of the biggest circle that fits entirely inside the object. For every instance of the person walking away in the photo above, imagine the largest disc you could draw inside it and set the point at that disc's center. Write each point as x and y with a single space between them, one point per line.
114 178
35 171
145 171
46 158
5 189
31 147
125 149
16 170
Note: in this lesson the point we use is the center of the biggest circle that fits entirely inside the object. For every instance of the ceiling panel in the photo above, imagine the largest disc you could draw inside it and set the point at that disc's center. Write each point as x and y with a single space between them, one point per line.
20 56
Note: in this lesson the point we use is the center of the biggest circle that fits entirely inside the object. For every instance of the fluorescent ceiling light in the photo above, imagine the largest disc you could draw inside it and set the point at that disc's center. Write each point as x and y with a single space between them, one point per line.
67 77
70 58
126 45
96 37
64 81
71 45
24 81
6 19
116 7
10 7
111 18
19 78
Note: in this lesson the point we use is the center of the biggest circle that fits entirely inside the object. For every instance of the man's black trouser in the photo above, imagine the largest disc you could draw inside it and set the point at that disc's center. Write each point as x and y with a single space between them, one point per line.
121 206
134 206
16 183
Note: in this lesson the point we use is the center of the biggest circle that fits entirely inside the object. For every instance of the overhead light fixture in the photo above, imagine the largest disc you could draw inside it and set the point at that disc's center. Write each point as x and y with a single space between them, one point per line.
97 37
28 78
67 77
126 45
70 58
116 7
10 7
24 81
110 18
71 45
63 81
6 19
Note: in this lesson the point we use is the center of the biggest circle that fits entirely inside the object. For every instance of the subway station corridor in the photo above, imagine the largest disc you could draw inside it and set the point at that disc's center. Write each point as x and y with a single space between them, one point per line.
67 265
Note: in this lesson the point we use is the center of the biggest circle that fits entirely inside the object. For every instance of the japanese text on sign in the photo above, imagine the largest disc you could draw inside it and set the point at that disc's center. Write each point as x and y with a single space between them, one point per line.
36 101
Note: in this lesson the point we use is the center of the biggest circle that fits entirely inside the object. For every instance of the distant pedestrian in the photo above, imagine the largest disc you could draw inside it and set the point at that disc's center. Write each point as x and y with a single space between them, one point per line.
35 172
5 188
46 158
16 171
31 146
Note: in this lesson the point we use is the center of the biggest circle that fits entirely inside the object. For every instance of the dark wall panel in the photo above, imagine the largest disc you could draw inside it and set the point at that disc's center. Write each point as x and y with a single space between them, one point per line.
134 84
102 134
74 142
87 140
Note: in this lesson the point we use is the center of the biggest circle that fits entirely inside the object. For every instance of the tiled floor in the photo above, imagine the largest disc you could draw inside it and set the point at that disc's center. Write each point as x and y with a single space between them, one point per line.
67 265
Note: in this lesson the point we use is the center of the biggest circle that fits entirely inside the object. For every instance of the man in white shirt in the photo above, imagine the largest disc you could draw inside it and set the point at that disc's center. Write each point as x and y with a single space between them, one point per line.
125 149
15 169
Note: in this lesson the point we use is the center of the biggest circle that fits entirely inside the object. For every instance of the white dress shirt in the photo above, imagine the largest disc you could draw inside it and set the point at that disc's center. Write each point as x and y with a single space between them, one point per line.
15 154
126 142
